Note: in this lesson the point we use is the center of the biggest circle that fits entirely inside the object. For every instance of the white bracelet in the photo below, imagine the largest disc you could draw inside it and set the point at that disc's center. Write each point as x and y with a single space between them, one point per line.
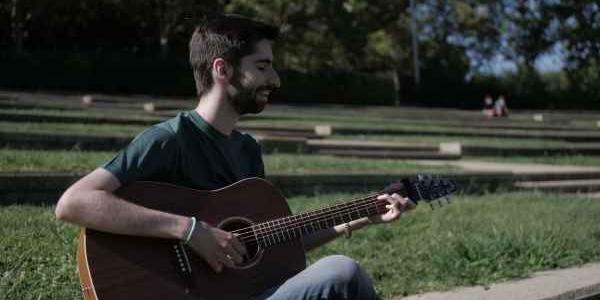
189 234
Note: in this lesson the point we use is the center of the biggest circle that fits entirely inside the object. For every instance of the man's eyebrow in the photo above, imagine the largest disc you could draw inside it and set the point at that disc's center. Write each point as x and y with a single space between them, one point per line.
264 61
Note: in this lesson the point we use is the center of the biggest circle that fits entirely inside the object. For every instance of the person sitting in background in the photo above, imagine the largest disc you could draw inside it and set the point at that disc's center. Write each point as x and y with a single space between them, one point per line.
488 106
500 107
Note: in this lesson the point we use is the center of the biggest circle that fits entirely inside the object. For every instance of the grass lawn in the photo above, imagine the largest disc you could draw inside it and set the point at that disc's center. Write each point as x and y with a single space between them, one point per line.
475 240
79 113
71 128
40 160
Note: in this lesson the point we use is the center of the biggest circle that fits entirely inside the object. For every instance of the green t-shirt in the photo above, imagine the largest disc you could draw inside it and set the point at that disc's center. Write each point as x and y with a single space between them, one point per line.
187 151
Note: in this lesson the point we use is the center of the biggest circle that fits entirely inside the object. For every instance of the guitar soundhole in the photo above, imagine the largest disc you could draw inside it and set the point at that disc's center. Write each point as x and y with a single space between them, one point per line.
246 237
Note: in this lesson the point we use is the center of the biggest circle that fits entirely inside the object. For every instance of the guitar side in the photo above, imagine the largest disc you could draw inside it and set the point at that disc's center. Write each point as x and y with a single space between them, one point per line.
118 266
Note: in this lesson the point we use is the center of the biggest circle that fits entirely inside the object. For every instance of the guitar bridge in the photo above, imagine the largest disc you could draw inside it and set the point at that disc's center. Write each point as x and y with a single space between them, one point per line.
183 266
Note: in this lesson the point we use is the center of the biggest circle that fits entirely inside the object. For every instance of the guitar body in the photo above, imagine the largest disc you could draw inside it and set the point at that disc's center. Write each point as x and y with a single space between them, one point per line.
126 267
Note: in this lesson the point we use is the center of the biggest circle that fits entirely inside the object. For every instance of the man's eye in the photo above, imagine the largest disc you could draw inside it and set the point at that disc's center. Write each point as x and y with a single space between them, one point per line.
261 67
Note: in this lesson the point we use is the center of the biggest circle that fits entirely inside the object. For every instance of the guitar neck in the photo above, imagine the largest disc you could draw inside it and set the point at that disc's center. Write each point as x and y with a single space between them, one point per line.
281 230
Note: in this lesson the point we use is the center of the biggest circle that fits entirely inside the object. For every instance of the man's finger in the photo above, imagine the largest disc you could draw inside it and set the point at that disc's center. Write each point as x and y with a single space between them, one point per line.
215 265
227 260
239 246
234 256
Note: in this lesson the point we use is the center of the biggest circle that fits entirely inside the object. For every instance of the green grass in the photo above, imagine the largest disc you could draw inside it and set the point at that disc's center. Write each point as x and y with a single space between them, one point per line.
79 113
41 160
312 164
475 240
71 128
37 255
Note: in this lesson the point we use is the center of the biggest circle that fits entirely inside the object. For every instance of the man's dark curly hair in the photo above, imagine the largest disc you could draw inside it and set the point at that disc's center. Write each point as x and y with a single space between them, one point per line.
230 37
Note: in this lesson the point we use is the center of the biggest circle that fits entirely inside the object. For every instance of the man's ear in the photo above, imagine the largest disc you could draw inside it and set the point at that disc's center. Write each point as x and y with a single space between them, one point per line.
220 70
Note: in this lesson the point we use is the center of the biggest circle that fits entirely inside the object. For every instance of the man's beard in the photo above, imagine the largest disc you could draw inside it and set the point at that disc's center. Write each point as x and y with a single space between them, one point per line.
244 100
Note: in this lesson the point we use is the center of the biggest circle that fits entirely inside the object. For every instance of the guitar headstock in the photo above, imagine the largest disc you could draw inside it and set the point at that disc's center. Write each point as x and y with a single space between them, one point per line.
423 187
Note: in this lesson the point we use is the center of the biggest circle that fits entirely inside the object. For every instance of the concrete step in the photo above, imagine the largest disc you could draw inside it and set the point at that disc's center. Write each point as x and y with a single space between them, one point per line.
268 131
369 145
385 150
569 136
574 284
386 154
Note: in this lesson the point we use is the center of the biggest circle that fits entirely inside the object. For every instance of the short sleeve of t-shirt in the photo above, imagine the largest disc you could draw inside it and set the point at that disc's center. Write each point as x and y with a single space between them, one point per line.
149 155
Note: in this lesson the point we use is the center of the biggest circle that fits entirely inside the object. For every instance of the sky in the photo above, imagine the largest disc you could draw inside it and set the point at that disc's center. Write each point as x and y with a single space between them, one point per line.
547 62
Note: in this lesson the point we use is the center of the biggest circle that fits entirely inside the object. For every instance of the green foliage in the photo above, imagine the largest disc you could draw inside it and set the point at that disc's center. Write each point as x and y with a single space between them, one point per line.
130 46
329 86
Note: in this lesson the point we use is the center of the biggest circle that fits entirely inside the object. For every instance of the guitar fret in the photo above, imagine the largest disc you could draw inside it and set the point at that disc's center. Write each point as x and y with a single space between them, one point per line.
261 234
279 232
274 232
282 230
313 227
255 235
339 215
357 211
270 233
263 231
288 229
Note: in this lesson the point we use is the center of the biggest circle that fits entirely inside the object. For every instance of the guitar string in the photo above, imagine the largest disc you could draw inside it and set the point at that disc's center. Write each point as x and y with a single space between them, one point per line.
272 224
341 212
275 230
278 237
271 228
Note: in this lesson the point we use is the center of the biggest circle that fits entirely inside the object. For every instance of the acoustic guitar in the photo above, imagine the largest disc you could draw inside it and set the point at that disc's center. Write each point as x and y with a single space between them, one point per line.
115 266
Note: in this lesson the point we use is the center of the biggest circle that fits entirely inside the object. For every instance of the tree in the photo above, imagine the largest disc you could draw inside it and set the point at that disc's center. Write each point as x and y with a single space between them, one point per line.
530 32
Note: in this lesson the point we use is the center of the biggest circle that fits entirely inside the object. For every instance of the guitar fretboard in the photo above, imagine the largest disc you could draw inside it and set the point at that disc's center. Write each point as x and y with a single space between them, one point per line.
281 230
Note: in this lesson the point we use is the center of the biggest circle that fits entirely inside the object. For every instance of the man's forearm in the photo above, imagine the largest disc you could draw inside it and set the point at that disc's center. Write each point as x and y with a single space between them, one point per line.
324 236
102 210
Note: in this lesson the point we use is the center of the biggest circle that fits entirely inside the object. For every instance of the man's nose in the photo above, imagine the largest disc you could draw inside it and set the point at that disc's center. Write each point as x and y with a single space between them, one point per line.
274 79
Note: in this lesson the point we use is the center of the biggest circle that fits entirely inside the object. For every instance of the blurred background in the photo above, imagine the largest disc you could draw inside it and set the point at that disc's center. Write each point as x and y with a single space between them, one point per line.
539 54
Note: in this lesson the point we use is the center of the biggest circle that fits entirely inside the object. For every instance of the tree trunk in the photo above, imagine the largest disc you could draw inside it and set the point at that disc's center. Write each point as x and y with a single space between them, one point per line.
16 25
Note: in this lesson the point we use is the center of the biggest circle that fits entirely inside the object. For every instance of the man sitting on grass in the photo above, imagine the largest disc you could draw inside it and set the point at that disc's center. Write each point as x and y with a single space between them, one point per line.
232 60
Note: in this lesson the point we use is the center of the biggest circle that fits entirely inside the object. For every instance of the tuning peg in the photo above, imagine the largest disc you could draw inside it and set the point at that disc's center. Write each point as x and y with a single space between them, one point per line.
447 199
431 205
439 203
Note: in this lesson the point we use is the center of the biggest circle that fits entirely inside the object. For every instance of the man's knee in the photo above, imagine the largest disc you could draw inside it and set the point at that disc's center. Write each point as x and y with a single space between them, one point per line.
341 269
333 277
